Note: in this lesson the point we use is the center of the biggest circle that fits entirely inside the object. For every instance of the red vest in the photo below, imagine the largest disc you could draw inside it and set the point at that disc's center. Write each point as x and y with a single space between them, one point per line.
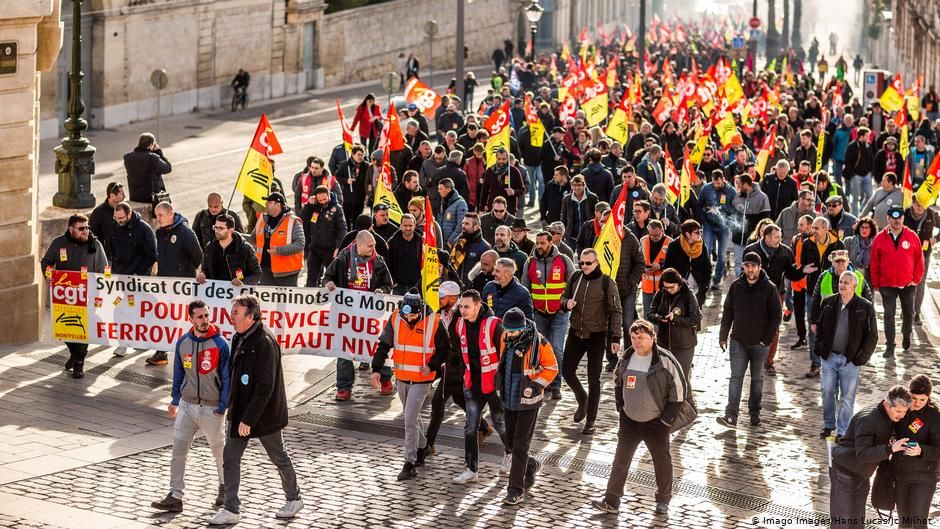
489 356
547 291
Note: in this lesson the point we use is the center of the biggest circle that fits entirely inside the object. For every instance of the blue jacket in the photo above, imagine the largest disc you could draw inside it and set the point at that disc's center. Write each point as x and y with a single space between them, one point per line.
501 299
201 370
840 142
453 209
717 211
178 250
598 179
133 247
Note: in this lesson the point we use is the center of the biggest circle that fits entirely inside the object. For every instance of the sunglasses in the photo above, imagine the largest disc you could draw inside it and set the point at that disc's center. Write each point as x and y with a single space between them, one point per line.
81 228
586 263
499 211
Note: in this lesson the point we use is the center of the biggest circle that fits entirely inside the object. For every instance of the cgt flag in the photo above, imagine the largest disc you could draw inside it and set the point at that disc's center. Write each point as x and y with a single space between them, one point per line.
430 271
892 99
498 127
536 129
927 192
383 193
671 177
617 126
594 101
611 237
421 95
347 131
257 174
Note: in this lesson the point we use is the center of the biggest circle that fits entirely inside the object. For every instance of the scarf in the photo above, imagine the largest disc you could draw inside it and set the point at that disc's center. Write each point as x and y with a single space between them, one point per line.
693 250
360 269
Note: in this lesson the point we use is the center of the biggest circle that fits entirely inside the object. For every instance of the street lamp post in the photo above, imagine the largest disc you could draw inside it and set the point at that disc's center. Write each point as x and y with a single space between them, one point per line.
533 13
75 157
641 36
458 60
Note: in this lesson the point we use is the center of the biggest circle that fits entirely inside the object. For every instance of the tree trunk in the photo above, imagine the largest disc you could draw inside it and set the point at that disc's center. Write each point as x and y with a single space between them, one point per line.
771 29
785 32
797 39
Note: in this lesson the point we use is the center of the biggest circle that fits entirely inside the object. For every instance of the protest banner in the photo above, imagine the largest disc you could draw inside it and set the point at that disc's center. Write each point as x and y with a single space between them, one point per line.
151 313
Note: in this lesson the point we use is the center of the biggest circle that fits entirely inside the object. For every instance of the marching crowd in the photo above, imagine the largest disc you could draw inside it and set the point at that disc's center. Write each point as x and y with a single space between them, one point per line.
786 210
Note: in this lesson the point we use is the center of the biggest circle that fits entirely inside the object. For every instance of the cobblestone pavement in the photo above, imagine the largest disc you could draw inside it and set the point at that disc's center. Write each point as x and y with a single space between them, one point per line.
348 454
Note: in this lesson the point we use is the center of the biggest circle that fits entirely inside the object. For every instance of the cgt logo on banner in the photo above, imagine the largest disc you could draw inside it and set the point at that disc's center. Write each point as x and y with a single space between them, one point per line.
69 306
151 313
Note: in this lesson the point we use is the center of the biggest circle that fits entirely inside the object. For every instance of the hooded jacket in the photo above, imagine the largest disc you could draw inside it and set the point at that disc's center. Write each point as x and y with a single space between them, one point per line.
453 209
513 252
77 254
576 212
680 332
598 179
145 170
896 264
257 396
466 253
178 250
201 370
338 272
754 309
473 347
324 226
526 368
668 386
134 246
224 264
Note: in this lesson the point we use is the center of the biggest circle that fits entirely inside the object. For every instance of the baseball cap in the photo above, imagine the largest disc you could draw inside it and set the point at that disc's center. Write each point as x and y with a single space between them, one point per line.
448 288
752 257
275 197
895 212
839 255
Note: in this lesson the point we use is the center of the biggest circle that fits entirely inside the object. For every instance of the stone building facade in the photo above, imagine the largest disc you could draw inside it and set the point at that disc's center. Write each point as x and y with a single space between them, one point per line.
910 41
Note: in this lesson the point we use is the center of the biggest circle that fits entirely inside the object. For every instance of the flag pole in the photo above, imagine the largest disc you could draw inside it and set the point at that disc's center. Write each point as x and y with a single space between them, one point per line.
235 187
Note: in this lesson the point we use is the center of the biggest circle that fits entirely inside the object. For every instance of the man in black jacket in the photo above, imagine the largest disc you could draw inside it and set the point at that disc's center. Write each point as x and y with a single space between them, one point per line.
101 220
452 170
355 181
856 173
229 257
134 248
781 190
868 441
752 306
204 221
405 254
145 167
846 335
324 229
257 407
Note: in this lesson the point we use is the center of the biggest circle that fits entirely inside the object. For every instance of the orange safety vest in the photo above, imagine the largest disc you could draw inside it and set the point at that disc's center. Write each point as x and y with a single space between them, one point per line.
489 356
409 352
798 286
280 264
650 282
547 291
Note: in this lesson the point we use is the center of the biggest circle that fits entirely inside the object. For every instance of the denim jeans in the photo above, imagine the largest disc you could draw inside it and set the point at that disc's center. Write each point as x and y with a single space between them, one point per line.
647 301
788 298
628 304
743 356
346 374
710 235
554 327
536 184
232 463
839 379
475 403
810 335
889 299
859 191
847 497
837 166
738 250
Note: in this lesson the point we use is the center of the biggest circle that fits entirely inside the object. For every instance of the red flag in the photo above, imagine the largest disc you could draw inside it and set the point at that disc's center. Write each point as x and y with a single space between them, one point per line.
264 140
430 236
344 125
421 95
396 140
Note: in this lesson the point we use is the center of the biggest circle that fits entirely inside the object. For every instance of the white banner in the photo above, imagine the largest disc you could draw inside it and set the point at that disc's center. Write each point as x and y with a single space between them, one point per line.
152 313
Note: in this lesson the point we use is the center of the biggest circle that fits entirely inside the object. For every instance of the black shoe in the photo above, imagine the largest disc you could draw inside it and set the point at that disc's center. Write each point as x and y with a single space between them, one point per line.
906 343
801 343
728 421
78 370
917 320
787 314
825 432
662 507
755 420
169 504
158 359
69 364
407 472
602 505
589 428
581 413
770 371
556 394
611 366
813 372
363 366
889 351
419 460
513 498
530 474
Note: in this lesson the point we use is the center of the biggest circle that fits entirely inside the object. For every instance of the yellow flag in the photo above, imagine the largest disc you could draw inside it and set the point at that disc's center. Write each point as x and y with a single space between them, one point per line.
498 127
913 105
819 149
701 141
927 192
430 271
595 109
536 129
384 196
733 90
611 237
617 126
726 129
892 99
255 177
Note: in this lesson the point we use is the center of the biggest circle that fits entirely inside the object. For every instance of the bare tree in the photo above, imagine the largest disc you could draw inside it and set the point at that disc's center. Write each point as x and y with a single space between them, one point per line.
785 31
772 34
796 40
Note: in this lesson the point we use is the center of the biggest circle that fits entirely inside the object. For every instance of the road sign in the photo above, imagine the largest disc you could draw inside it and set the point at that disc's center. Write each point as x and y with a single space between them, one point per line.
391 82
754 22
755 34
737 43
159 79
430 28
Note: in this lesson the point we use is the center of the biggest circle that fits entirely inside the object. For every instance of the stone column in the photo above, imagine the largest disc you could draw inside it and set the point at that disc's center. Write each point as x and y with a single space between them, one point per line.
35 28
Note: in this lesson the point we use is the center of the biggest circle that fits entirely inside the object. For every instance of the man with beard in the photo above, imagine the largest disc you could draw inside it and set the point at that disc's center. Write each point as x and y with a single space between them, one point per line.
469 247
324 229
502 180
506 248
229 257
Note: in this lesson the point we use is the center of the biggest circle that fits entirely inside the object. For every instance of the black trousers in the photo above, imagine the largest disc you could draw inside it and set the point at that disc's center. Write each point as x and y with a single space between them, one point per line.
847 496
77 351
447 389
799 313
629 436
575 349
684 357
889 298
520 426
352 212
317 260
913 503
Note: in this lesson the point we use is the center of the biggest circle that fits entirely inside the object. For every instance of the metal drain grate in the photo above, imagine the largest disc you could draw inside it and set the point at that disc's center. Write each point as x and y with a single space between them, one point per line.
122 375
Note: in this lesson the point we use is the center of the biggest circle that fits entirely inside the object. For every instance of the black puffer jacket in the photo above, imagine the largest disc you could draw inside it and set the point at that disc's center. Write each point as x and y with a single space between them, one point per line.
178 250
680 332
865 443
145 170
257 396
922 427
134 247
223 264
754 309
324 226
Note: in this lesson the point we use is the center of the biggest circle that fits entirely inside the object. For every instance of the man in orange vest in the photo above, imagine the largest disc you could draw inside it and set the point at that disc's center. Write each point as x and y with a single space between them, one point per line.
545 275
654 246
805 227
279 243
526 368
412 336
477 333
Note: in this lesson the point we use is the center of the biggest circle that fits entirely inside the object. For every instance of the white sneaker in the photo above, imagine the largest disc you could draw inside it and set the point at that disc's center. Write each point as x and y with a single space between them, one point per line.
120 352
506 465
290 509
466 476
225 517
